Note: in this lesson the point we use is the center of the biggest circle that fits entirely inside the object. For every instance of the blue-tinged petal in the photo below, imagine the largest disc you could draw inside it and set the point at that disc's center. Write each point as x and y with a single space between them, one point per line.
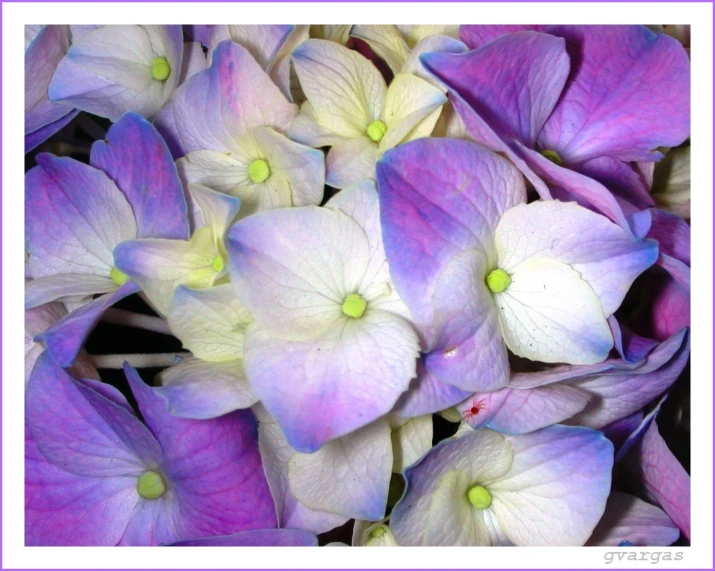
629 519
109 71
556 489
137 159
263 41
202 389
620 394
50 288
67 336
42 117
213 467
432 43
328 386
82 431
74 217
437 198
216 106
427 395
43 133
258 537
515 411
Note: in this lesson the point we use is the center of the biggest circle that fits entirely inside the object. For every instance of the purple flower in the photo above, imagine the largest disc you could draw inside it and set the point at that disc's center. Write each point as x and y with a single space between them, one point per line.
572 106
76 214
481 271
97 475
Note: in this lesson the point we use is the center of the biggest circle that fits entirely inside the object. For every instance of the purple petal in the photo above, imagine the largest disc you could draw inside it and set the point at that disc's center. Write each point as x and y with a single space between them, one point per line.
259 537
62 508
619 395
67 336
619 431
512 83
43 133
629 519
41 58
201 389
672 233
214 107
621 179
475 36
665 480
137 159
80 430
431 214
628 94
515 411
427 395
74 217
212 466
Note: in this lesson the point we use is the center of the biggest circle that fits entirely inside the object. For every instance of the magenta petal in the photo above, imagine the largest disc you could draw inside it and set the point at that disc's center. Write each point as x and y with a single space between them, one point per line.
213 467
672 233
513 82
67 336
62 508
475 36
621 179
628 94
137 159
79 429
258 537
665 480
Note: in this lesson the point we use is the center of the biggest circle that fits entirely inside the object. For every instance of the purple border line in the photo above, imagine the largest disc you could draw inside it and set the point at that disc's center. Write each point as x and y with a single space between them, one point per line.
2 299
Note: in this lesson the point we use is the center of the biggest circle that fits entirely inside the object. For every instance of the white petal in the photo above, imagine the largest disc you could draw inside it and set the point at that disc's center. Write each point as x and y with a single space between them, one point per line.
50 288
411 441
386 42
209 322
550 314
409 100
350 162
346 91
349 476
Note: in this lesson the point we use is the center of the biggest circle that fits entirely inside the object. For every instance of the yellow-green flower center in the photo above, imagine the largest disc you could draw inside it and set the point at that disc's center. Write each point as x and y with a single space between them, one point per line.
479 497
118 276
354 306
258 170
498 280
379 531
150 486
160 69
217 263
376 130
553 156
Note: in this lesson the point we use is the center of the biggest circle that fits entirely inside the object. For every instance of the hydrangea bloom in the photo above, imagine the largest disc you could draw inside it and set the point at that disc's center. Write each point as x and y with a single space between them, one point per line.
399 285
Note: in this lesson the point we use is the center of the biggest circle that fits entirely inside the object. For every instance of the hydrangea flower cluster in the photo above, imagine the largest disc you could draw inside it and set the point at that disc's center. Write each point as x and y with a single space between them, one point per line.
432 285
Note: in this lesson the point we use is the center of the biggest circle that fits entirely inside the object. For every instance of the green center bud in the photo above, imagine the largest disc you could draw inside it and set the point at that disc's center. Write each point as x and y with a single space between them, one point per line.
150 486
376 130
498 280
379 531
479 497
258 170
118 276
354 306
553 156
160 69
217 263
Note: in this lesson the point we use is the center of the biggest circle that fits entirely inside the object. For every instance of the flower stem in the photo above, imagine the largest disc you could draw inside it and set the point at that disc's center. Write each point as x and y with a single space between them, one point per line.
130 319
136 360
